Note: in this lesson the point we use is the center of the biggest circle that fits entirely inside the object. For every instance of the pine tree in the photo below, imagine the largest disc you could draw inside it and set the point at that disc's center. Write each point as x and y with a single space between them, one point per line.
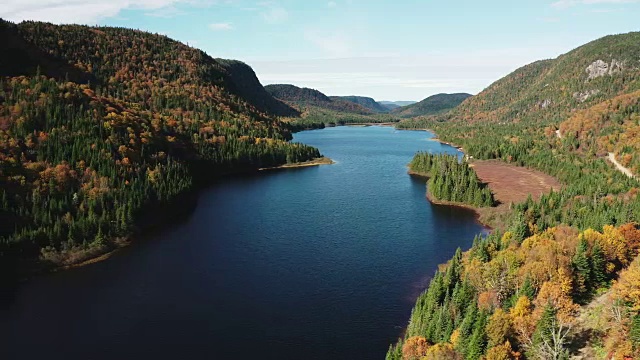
478 341
581 270
527 289
598 264
519 227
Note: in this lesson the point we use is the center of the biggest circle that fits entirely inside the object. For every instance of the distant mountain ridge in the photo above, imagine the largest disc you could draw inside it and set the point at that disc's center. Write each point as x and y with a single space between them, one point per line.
432 105
396 103
305 98
365 102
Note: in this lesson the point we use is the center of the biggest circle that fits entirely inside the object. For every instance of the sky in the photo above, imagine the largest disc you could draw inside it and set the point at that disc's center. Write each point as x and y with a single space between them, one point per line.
388 50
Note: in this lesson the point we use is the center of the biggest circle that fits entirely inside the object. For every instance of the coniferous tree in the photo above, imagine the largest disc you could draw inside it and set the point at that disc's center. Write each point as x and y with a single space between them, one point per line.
598 264
581 270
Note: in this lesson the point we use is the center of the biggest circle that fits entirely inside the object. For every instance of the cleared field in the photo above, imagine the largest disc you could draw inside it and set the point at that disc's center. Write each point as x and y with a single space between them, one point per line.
513 184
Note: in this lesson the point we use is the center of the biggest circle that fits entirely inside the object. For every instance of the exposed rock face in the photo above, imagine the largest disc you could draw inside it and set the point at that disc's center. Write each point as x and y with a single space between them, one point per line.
585 95
545 104
600 68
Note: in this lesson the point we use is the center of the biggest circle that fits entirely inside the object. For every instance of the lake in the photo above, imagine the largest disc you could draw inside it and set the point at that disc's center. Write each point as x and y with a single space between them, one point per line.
316 263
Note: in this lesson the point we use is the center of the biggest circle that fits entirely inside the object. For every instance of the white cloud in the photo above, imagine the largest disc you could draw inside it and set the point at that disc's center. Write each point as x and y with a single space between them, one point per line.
87 11
401 78
564 4
165 12
221 26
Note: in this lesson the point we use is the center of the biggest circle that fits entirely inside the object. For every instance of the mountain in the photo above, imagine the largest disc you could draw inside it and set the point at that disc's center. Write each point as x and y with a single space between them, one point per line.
432 105
365 102
390 107
306 98
104 131
549 90
244 82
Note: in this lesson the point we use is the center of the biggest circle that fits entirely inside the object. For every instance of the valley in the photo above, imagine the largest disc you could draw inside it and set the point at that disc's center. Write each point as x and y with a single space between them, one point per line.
185 200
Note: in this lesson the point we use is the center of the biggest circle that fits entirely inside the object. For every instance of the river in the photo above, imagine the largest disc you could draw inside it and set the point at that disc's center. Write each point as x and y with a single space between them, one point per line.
311 263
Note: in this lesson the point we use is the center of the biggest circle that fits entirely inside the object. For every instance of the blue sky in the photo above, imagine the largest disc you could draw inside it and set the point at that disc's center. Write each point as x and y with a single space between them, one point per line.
389 50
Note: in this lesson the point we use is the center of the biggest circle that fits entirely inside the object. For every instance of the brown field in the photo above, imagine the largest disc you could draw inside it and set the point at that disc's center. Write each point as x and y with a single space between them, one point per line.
513 184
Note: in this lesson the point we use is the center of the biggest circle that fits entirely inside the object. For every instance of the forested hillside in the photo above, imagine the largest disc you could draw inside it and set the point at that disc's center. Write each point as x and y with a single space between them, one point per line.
365 102
432 105
609 126
244 82
549 90
100 126
306 98
534 288
318 110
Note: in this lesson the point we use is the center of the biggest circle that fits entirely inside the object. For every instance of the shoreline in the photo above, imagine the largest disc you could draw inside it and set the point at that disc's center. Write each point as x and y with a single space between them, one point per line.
169 214
436 138
479 213
388 124
314 162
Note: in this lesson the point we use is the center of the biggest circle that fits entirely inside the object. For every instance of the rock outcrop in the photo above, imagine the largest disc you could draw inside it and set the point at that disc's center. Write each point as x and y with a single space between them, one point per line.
600 68
585 95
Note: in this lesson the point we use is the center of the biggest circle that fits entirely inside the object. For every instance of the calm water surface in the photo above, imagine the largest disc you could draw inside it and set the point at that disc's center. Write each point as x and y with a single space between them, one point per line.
315 263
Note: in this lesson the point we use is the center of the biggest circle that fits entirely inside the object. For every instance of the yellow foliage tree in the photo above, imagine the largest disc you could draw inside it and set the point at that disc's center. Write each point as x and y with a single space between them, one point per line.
627 287
501 352
554 293
414 348
442 352
498 328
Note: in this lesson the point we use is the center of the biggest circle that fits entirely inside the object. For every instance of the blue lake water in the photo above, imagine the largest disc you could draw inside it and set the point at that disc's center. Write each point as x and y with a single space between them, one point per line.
315 263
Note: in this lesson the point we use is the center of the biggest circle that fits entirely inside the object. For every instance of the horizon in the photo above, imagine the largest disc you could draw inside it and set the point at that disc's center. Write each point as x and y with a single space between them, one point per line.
389 52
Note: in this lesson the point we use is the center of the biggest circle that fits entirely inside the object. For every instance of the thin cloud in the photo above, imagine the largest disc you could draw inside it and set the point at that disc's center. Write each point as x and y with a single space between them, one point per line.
165 12
221 26
332 4
564 4
406 77
89 11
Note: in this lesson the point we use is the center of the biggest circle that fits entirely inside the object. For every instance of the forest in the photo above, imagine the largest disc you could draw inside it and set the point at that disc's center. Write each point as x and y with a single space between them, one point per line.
89 156
562 277
451 180
434 104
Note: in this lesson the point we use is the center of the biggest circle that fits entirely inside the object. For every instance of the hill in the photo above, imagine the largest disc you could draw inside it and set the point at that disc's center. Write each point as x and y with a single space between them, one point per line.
305 98
432 105
549 90
243 81
543 283
390 107
104 131
365 102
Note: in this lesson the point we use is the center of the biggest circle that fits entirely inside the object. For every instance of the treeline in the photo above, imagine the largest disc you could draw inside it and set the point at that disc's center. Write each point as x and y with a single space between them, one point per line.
514 297
451 179
82 164
318 118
